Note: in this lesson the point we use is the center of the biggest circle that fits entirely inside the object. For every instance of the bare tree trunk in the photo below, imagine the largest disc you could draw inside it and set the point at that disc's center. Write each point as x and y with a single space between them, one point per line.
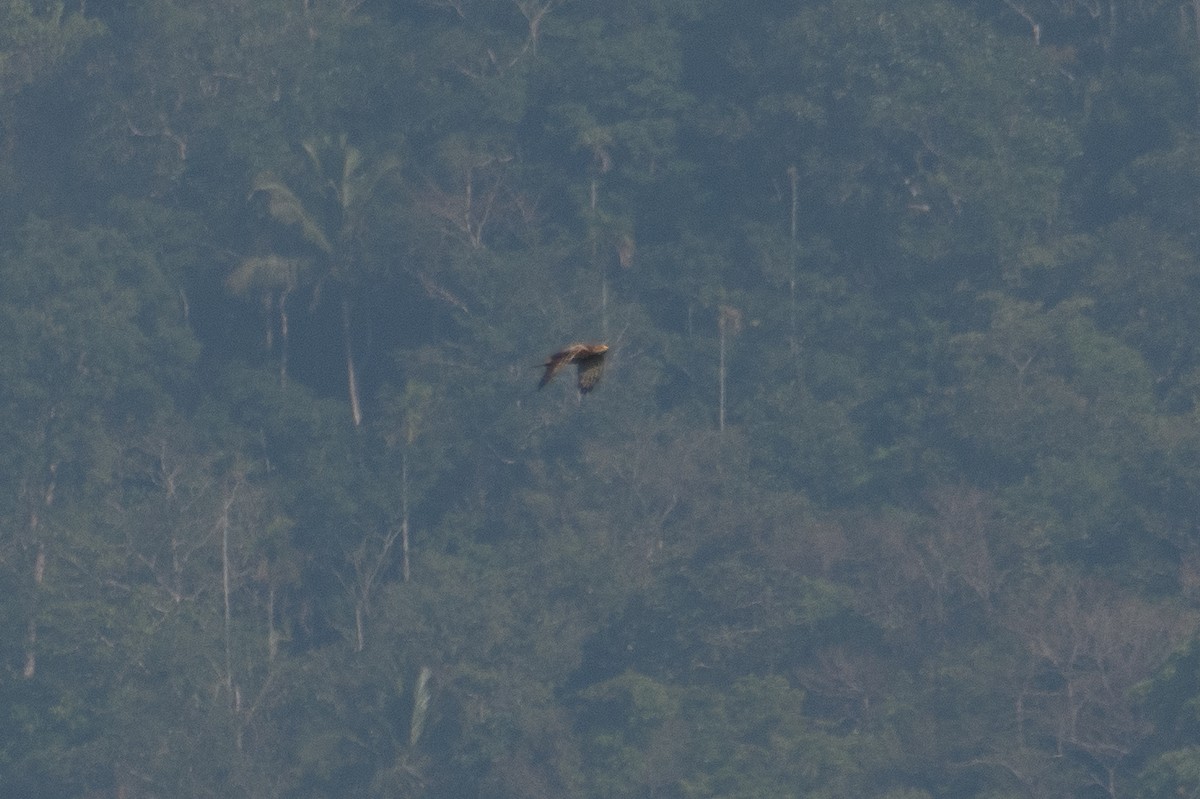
31 649
794 179
603 304
283 337
272 633
721 376
351 374
39 573
729 321
227 594
404 514
367 567
1034 28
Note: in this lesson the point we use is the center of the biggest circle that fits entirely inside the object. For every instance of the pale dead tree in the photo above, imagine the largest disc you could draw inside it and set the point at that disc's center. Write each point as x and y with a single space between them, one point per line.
193 542
418 402
164 132
527 210
332 222
794 236
405 542
223 525
1038 774
488 63
374 555
956 550
241 516
485 66
1034 27
40 498
853 680
161 145
368 562
1100 643
1025 340
171 538
535 12
659 479
173 534
437 291
477 184
894 584
620 238
598 141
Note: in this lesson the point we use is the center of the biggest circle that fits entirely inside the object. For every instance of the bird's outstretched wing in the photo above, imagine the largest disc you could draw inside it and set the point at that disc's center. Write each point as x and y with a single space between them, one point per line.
590 369
588 360
554 364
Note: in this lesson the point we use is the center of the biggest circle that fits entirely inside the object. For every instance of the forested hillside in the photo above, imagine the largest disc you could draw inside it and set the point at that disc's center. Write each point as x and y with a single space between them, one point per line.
891 487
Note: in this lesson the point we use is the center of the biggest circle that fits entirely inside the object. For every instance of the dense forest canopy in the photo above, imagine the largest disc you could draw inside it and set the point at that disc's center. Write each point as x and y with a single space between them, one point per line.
891 487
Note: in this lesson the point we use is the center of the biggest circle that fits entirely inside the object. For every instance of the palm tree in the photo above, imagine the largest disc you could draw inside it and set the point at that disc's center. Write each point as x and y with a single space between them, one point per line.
331 222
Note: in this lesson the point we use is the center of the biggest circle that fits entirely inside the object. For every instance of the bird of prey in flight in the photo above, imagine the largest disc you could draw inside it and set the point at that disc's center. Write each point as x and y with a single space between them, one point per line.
588 360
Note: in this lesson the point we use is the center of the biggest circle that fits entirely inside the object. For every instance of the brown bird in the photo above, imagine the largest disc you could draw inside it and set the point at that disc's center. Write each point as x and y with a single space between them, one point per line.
588 360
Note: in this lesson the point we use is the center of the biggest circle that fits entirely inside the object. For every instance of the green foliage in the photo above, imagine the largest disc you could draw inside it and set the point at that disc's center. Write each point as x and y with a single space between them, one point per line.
35 38
751 740
1174 773
888 490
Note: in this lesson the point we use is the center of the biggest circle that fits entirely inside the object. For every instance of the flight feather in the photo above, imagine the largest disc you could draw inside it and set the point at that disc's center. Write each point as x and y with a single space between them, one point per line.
589 364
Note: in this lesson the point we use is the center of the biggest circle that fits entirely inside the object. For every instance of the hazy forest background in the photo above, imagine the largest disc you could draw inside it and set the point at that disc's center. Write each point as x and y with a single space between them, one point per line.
892 488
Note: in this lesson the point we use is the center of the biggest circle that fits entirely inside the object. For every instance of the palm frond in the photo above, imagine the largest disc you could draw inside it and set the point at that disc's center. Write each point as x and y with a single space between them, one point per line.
421 697
264 272
286 208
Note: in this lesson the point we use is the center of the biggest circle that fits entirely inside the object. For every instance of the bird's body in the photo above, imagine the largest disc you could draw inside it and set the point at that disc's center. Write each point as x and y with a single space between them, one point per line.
588 360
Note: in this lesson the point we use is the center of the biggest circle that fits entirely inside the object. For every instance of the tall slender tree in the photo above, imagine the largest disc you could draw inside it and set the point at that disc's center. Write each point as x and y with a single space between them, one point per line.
331 221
